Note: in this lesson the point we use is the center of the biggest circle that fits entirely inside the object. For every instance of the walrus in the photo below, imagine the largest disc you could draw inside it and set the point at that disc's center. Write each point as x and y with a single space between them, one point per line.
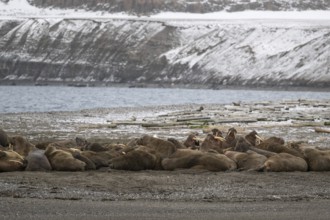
21 145
249 160
77 154
284 162
59 144
100 159
242 145
4 139
277 140
192 159
216 132
90 165
138 158
178 144
37 161
161 147
253 138
317 160
230 139
274 145
212 142
63 161
11 161
93 159
85 145
192 141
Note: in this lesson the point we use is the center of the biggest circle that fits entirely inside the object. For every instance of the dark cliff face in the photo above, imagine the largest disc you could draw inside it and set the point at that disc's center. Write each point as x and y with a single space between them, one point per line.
170 53
194 6
82 50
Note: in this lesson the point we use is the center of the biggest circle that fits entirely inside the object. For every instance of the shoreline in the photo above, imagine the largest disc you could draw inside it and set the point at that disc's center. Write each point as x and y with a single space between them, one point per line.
291 119
169 86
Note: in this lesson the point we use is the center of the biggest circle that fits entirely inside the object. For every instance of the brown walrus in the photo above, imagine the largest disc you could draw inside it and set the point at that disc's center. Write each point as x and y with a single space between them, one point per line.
318 160
85 145
253 138
212 142
192 141
284 162
242 145
21 145
63 161
274 145
138 158
230 139
249 160
11 161
192 159
178 144
161 147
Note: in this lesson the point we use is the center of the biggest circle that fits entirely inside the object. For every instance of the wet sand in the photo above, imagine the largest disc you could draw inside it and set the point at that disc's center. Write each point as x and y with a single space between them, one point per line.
177 194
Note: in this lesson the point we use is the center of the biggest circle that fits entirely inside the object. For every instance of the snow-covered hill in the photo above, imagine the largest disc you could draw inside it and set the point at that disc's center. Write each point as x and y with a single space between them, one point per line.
211 50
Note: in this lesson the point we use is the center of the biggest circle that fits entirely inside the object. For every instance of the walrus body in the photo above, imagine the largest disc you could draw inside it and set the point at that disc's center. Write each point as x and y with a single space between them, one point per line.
284 162
161 147
100 159
192 159
178 144
274 144
139 158
247 160
21 145
37 161
63 161
318 160
11 161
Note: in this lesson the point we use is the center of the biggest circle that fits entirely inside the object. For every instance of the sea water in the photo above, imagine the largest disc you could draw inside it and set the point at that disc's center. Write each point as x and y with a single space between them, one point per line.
62 98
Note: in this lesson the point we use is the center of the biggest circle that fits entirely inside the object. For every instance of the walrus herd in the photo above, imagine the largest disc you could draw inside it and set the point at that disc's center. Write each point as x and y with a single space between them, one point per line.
216 152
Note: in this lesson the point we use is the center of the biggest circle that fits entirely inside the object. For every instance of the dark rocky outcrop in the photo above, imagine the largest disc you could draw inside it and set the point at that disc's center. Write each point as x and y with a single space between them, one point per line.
194 6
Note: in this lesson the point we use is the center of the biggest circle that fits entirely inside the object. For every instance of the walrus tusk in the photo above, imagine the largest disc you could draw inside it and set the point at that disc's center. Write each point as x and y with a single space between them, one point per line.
197 139
227 149
220 138
259 138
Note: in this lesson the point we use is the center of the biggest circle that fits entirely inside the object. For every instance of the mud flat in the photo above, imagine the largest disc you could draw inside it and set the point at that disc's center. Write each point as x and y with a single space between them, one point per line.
181 194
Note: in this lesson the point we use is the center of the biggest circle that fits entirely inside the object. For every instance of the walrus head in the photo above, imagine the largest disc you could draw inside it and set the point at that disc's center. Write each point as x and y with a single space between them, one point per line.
242 145
231 134
192 141
216 132
253 138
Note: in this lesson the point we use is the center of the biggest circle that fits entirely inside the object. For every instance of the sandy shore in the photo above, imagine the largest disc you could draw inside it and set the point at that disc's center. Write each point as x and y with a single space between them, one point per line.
163 194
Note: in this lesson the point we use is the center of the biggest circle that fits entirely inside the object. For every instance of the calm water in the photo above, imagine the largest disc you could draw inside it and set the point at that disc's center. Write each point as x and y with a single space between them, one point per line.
40 99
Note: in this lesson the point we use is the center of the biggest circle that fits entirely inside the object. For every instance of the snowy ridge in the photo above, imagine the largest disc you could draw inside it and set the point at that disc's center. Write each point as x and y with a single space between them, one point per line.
251 54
